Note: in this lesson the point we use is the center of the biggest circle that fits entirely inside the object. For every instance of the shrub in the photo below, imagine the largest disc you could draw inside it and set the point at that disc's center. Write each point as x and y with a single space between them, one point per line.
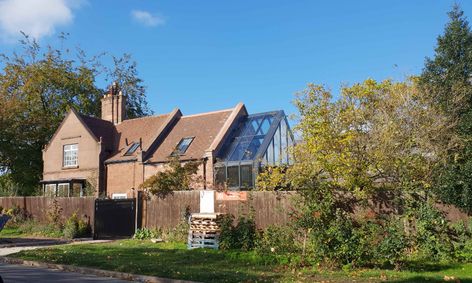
71 227
18 215
277 245
145 233
391 249
463 241
432 238
76 228
240 237
54 214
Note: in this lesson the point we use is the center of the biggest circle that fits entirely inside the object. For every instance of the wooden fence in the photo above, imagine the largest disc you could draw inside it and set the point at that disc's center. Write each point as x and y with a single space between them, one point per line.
37 207
267 207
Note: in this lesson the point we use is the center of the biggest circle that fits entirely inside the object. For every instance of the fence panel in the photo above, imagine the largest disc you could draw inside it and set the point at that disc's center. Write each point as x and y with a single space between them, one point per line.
37 207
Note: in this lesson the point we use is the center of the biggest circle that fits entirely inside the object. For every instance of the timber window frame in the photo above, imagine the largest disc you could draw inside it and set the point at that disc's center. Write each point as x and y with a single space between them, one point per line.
70 156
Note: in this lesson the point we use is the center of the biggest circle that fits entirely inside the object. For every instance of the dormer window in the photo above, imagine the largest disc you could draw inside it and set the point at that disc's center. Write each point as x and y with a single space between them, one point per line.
132 149
182 146
70 155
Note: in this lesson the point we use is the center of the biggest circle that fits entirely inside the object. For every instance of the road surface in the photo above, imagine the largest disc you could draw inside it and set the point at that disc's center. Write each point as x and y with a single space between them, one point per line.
19 274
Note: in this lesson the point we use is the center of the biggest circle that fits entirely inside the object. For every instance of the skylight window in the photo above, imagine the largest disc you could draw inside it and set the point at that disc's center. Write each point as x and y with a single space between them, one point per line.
183 145
132 149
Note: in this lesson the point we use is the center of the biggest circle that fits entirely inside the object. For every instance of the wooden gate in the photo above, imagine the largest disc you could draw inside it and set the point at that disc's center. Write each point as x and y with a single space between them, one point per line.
114 218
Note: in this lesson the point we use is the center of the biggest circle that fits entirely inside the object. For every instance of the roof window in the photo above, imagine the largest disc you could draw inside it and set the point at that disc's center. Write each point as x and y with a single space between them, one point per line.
183 145
132 149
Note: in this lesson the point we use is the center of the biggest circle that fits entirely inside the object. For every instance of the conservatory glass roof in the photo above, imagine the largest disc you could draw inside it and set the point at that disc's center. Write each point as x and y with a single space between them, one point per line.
260 140
255 135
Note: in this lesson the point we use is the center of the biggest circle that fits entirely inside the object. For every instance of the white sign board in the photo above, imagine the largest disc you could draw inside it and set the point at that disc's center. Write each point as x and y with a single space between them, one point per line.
207 201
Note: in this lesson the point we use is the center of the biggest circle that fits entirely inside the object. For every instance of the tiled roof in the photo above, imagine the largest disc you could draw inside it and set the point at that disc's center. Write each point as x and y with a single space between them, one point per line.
203 127
142 130
101 129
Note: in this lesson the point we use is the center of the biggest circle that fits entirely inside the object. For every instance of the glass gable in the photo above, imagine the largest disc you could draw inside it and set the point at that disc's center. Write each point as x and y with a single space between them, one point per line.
260 140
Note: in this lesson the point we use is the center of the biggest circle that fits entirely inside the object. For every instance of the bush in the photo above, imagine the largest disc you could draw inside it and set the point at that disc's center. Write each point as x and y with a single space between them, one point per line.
54 214
145 233
76 228
18 215
463 241
277 244
392 248
433 237
239 237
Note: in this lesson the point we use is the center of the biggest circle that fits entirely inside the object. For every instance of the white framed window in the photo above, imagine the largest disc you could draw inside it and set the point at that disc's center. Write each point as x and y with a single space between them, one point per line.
63 190
71 154
119 196
50 190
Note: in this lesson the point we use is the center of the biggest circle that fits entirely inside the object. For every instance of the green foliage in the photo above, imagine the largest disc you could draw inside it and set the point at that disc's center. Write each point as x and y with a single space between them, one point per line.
178 177
273 178
241 236
447 79
38 86
8 187
33 228
432 236
18 215
392 247
76 228
277 244
145 233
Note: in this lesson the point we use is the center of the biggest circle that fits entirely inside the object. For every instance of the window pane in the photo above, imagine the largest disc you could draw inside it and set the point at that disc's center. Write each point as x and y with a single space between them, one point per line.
50 190
246 176
270 153
264 159
76 190
290 145
277 147
132 148
183 145
233 176
265 126
251 126
63 190
220 178
252 149
283 132
70 155
238 153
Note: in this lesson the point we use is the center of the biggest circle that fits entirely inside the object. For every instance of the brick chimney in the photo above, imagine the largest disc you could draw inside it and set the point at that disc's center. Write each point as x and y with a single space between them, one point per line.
114 105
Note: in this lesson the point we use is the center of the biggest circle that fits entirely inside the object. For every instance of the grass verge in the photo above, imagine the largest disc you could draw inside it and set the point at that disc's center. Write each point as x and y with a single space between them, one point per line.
173 260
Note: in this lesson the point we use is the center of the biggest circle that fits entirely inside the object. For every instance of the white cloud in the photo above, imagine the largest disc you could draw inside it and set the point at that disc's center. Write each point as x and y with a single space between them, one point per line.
147 18
36 18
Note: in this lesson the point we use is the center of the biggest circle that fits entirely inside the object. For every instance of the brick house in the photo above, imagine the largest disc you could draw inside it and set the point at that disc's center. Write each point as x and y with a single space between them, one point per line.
115 155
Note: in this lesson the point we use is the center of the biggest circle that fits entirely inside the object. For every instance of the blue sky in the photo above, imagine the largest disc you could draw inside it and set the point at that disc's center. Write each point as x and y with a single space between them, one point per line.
209 55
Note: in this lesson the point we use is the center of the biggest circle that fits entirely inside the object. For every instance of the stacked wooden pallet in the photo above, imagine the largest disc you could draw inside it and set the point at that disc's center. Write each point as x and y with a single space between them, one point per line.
204 230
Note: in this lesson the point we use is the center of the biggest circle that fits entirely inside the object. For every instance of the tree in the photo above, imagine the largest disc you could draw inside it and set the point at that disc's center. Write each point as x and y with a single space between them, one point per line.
447 79
376 135
178 177
124 73
377 138
37 88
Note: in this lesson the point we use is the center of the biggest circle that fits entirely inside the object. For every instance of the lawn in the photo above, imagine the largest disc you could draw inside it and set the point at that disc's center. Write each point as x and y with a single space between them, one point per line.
8 232
173 260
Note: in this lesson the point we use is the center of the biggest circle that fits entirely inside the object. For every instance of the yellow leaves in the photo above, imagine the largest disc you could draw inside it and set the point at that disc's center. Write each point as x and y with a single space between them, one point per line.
375 133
